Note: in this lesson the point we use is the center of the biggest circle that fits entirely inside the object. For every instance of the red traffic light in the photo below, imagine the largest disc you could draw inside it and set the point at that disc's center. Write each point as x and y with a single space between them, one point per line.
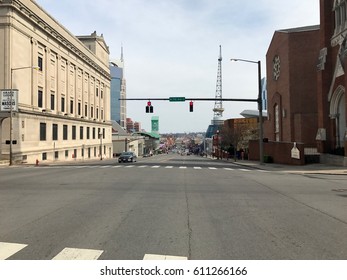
149 107
191 106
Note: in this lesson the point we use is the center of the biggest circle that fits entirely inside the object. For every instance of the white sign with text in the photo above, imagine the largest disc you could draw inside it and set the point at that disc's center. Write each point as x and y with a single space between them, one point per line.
8 97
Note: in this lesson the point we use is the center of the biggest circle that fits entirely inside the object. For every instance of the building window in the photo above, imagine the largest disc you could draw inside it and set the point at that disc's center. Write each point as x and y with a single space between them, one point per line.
52 102
40 99
102 94
73 132
277 123
65 134
44 156
92 112
75 153
63 104
42 132
81 132
55 132
97 92
88 132
40 63
93 132
56 154
103 133
86 110
97 113
66 153
79 108
71 106
340 15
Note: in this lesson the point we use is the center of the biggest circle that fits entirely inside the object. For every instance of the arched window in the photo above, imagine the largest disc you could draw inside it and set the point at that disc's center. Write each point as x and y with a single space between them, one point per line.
340 15
277 122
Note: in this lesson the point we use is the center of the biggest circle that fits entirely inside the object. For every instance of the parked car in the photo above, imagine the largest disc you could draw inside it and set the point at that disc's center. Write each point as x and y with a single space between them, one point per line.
127 156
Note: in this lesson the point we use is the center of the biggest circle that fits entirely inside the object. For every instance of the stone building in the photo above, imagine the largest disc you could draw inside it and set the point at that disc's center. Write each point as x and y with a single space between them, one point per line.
64 105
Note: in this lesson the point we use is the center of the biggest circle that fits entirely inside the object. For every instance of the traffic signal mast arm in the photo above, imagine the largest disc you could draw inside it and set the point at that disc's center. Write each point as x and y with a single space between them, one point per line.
193 99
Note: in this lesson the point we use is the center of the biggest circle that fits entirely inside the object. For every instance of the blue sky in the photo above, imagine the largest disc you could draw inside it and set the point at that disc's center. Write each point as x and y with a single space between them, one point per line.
171 48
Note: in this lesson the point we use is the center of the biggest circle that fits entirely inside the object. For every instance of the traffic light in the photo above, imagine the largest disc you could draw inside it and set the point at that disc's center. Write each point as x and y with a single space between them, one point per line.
191 106
149 107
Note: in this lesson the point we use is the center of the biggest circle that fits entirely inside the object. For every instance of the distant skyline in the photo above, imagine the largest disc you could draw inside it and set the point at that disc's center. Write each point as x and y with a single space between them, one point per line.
171 48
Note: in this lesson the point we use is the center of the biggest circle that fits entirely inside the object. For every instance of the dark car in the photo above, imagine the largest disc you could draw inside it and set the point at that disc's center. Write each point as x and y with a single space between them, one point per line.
127 156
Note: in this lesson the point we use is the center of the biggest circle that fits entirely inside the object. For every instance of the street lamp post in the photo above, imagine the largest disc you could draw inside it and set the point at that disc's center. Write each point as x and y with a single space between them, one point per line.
11 100
260 108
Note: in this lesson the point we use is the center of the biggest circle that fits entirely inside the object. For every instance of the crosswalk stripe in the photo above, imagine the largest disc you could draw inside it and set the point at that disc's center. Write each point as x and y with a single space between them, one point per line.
155 166
212 168
169 167
9 249
242 169
196 167
78 254
116 166
163 257
183 167
143 166
228 169
129 166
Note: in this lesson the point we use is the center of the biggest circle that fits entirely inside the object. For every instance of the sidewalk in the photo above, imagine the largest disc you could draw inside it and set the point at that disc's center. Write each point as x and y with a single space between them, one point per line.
315 168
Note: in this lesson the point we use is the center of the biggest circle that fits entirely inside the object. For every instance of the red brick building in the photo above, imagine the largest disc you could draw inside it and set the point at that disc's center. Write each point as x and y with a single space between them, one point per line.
291 86
306 85
292 93
332 80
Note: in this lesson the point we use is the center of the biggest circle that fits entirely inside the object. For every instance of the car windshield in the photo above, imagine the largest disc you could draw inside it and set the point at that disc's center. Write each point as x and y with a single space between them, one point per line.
127 154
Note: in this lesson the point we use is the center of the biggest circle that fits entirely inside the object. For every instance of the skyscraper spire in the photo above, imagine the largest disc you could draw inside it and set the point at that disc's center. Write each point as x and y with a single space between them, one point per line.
121 54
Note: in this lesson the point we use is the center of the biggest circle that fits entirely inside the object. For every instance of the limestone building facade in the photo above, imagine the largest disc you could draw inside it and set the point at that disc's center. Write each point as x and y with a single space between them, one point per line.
64 105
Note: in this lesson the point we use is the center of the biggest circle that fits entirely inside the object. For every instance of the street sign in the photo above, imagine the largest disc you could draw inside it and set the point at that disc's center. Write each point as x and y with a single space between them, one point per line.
6 100
177 99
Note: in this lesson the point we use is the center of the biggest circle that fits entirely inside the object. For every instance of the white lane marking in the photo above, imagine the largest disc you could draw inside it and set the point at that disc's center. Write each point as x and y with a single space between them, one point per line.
106 166
163 257
142 166
169 167
155 166
78 254
9 249
229 169
129 166
183 167
116 166
246 170
196 167
212 168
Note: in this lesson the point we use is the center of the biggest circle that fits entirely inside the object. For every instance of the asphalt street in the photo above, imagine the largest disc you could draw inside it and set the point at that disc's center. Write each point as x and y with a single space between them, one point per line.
170 205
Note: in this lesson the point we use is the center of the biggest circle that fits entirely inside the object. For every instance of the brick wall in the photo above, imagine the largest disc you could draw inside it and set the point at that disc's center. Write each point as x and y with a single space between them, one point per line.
280 152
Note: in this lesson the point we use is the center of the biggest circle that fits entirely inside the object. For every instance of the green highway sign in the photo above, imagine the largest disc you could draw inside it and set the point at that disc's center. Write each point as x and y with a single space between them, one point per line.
177 99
